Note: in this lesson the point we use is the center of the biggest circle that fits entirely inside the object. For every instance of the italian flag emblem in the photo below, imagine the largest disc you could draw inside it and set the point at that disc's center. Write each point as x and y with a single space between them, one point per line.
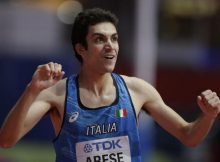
121 113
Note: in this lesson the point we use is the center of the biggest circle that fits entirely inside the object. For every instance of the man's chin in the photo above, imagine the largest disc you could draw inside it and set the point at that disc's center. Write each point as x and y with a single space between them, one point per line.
109 69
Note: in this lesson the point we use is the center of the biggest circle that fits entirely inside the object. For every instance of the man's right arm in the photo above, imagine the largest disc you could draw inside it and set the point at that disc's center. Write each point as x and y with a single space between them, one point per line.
32 105
15 125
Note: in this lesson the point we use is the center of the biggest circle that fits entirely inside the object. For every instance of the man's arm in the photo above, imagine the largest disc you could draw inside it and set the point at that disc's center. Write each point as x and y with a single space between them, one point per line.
189 133
32 105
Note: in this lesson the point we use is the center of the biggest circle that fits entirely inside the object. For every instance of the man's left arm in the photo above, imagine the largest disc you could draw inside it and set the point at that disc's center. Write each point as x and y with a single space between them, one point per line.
209 103
189 133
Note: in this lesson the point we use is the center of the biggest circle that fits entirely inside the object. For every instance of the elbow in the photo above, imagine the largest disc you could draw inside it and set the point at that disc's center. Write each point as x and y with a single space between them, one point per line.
6 142
190 144
189 139
5 146
8 139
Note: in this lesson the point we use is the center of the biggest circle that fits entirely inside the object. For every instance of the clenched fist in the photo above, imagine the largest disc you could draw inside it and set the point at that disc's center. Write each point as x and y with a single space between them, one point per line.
209 103
46 76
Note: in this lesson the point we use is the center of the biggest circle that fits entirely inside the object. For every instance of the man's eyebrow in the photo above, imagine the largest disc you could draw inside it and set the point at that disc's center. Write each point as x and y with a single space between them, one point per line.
100 34
115 34
97 34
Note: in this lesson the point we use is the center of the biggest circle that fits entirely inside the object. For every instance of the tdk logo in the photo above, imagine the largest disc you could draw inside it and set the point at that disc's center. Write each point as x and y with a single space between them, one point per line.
103 146
88 148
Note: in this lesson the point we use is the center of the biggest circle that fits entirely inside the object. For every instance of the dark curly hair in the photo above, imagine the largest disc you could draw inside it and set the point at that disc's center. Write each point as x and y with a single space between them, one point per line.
88 18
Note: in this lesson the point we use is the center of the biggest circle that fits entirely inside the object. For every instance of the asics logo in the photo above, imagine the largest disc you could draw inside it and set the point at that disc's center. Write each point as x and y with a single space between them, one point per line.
73 117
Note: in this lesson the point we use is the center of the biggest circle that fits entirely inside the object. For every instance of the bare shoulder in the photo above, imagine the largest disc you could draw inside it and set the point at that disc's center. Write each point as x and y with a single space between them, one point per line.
137 84
141 89
143 94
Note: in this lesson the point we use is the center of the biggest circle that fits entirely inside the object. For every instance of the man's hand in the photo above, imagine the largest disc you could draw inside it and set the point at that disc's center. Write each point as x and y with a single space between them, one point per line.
209 103
46 76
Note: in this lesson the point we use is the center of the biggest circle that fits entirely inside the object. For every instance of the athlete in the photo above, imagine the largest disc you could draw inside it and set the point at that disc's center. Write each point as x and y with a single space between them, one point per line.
95 113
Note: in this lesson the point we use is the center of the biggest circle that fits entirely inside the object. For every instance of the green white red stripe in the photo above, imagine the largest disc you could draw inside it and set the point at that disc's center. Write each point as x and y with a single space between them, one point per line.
121 113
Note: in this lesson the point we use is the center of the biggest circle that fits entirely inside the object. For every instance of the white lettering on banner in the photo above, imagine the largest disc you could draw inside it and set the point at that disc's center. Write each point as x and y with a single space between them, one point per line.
115 149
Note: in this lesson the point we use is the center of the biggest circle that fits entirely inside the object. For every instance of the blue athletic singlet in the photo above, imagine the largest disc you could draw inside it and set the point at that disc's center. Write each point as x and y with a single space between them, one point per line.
104 134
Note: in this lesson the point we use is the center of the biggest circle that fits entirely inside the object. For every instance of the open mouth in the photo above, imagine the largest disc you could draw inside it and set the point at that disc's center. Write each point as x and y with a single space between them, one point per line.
109 57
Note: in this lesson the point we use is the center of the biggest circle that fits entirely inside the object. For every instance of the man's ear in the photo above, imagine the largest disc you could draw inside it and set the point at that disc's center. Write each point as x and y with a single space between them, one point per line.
80 49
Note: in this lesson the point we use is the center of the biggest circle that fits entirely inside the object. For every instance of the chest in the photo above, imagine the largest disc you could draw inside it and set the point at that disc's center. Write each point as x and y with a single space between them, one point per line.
91 100
101 121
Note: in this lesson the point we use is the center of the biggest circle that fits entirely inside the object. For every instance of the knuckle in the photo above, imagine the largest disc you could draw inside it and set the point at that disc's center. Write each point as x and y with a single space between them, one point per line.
60 66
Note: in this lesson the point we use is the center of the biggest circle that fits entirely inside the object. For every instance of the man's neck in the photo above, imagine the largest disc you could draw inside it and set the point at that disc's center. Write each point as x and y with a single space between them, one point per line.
95 82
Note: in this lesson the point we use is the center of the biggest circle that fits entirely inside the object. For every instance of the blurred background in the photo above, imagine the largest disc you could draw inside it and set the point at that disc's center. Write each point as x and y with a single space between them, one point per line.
173 44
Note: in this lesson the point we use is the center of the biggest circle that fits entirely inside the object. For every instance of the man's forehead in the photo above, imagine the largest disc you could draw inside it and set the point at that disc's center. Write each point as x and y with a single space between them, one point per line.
105 28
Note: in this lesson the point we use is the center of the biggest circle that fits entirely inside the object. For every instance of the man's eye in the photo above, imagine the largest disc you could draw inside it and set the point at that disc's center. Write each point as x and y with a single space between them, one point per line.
99 40
114 39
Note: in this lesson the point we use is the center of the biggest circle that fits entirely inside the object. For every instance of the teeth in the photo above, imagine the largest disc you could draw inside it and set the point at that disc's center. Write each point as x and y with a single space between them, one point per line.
109 57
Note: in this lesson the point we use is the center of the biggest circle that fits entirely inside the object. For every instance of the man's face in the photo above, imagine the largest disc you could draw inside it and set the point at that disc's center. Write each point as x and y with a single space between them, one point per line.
102 48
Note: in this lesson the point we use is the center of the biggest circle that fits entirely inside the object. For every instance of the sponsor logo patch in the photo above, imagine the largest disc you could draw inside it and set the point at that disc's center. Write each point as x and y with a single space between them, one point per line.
109 149
73 117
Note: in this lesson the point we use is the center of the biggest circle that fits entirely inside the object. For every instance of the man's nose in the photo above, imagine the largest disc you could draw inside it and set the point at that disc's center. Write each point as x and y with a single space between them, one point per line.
108 44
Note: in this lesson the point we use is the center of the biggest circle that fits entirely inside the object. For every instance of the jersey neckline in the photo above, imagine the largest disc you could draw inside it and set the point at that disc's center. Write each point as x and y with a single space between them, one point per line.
81 105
